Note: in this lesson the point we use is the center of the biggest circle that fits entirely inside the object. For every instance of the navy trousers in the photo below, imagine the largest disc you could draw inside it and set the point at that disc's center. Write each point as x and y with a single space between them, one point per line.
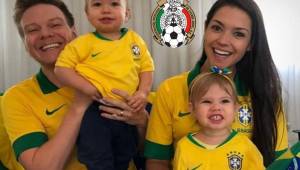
105 144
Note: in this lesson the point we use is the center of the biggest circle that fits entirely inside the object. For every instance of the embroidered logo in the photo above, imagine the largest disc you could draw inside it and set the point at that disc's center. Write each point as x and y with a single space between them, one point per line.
245 115
95 54
235 160
54 110
195 168
182 114
173 23
135 50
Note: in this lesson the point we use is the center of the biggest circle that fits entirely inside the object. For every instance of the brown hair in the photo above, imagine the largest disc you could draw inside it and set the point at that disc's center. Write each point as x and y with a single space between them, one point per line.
204 81
22 5
87 1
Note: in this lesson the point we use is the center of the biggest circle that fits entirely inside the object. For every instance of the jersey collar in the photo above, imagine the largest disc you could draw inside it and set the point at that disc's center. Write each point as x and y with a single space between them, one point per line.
45 85
240 87
123 31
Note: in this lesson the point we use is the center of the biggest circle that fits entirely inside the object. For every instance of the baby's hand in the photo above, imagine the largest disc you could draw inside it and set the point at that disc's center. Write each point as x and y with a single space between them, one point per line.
138 101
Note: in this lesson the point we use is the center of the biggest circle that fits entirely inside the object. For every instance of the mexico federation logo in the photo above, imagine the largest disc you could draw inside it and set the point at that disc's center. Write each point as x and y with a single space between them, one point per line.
235 160
245 115
173 23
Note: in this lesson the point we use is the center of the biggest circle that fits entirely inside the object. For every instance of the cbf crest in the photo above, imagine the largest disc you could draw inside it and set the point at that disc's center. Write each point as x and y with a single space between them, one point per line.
245 115
173 23
235 160
135 50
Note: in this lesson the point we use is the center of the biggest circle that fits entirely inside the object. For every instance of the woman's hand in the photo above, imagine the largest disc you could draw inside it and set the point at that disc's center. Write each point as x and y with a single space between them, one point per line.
120 110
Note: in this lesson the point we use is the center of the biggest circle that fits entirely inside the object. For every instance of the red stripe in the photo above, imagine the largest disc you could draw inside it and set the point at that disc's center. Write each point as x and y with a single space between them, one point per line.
188 20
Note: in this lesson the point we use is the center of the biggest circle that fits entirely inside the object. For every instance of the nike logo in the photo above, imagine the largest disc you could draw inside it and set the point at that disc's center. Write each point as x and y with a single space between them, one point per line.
196 167
181 114
53 111
94 55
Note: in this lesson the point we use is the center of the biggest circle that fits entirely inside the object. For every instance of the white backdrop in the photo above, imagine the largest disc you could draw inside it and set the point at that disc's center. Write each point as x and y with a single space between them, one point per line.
282 21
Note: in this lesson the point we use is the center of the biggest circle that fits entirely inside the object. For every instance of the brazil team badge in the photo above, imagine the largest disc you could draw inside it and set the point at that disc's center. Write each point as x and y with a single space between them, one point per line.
235 160
173 23
245 115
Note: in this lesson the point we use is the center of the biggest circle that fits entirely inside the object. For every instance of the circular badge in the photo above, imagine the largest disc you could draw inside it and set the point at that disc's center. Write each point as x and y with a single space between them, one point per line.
173 23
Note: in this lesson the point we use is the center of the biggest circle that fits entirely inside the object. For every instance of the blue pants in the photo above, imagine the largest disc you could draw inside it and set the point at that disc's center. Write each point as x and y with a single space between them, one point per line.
105 144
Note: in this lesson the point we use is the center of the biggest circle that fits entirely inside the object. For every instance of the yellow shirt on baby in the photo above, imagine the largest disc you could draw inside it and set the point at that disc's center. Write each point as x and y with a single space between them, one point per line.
108 64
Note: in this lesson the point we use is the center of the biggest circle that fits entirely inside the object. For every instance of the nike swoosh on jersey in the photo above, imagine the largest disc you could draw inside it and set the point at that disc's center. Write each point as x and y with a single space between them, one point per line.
95 54
196 167
181 114
55 110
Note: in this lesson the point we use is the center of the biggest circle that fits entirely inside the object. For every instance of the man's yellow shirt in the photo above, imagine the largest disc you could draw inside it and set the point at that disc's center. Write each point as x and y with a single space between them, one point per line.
7 156
34 110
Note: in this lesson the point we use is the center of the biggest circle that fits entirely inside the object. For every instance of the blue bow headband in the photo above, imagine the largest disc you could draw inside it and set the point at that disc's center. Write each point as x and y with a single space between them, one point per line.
217 70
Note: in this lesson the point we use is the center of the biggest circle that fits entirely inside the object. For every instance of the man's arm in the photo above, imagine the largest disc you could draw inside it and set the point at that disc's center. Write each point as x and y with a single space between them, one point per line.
54 153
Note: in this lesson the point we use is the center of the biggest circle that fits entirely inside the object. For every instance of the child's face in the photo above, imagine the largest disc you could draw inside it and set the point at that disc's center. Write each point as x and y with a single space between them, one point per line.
215 110
107 16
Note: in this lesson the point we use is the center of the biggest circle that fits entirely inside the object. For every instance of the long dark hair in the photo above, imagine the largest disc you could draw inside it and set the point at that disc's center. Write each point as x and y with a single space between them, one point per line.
259 74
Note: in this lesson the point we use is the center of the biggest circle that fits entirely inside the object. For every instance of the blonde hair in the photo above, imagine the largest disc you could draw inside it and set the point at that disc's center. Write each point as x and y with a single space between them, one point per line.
204 81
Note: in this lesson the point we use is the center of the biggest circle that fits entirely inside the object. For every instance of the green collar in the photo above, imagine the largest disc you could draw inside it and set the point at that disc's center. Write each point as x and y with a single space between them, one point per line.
232 134
123 31
45 85
240 87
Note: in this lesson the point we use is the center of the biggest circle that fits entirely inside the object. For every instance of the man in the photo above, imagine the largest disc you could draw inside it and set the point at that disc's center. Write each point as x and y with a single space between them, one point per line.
41 120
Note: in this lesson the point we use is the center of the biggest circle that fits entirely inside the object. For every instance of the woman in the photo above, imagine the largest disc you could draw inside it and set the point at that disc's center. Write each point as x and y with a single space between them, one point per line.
234 38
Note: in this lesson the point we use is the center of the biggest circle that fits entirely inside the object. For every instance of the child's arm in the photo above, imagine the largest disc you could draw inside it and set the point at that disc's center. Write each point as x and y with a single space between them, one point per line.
139 98
71 78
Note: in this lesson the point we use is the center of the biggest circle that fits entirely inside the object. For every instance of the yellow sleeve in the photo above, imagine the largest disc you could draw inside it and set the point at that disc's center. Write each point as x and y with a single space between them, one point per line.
178 163
17 114
74 52
7 156
146 59
159 131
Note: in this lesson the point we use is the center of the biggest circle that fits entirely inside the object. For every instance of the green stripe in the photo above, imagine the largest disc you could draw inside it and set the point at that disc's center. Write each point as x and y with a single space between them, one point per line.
1 93
123 31
29 141
2 167
191 138
279 153
157 21
157 151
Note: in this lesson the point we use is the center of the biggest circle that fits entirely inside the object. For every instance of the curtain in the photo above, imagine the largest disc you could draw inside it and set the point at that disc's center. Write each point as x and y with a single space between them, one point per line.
282 21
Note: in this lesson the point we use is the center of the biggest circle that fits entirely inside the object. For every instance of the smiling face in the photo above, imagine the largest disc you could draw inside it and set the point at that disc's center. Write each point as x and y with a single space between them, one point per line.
215 109
227 37
107 16
46 33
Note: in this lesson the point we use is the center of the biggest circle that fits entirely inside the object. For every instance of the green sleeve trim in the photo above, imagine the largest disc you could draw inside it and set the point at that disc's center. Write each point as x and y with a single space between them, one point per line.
29 141
158 151
279 153
2 167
